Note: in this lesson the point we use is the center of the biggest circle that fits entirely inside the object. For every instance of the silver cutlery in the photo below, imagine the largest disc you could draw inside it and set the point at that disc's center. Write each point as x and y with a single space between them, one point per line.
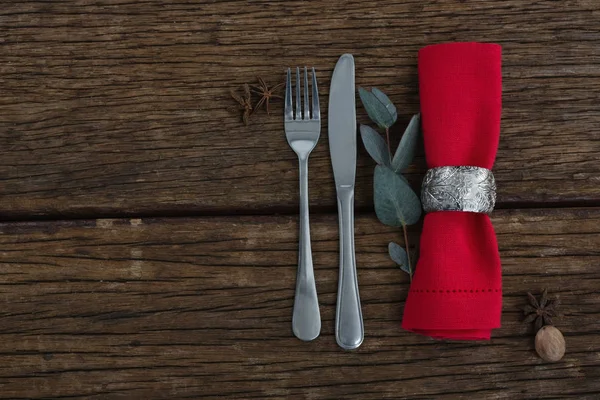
302 130
349 329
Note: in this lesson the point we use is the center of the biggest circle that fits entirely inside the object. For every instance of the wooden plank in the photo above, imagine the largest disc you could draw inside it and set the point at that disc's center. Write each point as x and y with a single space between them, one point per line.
113 108
201 308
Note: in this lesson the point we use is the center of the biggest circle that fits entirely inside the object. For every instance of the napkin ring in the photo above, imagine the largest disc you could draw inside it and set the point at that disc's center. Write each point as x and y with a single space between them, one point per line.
469 189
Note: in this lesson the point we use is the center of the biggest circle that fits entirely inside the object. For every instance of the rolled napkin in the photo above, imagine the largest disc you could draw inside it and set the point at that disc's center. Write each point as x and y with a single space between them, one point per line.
456 292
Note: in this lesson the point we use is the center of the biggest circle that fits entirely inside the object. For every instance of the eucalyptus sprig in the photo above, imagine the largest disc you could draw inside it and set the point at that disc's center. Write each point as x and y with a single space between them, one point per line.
396 204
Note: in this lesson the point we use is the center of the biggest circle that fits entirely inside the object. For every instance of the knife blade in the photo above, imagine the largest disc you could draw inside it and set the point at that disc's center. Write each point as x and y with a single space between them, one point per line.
342 121
349 329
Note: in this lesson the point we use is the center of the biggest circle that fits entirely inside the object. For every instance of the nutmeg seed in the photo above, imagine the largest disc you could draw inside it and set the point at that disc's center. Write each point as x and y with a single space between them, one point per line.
550 343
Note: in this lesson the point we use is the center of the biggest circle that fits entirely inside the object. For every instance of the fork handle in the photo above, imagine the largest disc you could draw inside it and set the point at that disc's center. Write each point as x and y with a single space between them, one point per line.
306 319
349 329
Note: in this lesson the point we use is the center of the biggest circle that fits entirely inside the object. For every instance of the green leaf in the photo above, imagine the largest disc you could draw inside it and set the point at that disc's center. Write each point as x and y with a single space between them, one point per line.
379 112
408 144
405 268
396 204
375 145
386 102
399 256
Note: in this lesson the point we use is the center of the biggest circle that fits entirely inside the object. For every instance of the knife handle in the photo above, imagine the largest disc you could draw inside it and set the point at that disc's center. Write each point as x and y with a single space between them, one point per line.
349 329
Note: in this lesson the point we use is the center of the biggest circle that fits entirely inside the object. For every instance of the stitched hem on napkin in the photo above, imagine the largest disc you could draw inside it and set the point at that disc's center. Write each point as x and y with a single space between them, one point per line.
469 314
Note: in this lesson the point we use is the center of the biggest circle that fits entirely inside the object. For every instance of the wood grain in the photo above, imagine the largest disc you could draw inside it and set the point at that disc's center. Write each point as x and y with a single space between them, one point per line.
121 108
201 308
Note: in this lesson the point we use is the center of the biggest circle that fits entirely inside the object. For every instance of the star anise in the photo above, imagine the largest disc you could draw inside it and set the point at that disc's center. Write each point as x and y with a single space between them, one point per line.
541 311
262 89
245 102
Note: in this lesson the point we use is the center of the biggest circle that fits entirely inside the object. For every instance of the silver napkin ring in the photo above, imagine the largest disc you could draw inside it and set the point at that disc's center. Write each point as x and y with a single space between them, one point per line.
470 189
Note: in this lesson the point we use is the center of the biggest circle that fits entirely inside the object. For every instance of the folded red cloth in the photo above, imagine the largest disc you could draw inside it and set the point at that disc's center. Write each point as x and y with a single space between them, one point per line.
456 292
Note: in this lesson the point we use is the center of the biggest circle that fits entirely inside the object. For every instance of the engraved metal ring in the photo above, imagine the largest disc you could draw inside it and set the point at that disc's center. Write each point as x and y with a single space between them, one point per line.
470 189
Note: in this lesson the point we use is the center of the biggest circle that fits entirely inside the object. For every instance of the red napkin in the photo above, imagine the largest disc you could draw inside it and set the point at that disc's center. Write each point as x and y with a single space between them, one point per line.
456 292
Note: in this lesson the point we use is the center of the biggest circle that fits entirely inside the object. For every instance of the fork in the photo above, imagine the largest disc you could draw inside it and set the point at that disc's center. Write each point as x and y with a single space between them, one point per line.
302 130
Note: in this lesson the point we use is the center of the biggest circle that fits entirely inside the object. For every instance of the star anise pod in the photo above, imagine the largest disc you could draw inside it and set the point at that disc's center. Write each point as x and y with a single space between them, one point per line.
245 102
262 89
540 311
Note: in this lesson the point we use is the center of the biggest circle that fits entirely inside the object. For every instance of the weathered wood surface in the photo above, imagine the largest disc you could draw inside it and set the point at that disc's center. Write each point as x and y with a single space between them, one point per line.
116 108
122 108
201 308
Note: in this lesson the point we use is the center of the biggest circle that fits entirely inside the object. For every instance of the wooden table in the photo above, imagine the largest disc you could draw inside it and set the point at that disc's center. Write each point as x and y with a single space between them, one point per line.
148 242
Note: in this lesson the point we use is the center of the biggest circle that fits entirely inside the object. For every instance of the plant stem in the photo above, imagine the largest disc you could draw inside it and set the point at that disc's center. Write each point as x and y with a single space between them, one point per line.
407 252
387 135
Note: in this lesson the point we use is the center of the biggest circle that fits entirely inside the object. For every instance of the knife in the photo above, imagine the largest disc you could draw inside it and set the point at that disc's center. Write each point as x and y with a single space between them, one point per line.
349 329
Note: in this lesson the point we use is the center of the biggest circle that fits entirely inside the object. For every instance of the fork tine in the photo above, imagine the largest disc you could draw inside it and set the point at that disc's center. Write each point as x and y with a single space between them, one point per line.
316 109
298 104
306 103
288 114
